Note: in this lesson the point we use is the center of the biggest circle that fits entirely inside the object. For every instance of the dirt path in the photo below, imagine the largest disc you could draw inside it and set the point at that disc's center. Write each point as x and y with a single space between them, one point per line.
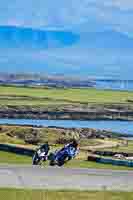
104 144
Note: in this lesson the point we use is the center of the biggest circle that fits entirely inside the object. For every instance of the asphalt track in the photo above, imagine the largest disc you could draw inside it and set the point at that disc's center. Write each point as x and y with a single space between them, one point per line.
64 178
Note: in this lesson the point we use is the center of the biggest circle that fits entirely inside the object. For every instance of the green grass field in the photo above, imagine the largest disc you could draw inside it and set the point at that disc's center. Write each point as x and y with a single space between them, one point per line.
17 194
38 96
61 96
11 158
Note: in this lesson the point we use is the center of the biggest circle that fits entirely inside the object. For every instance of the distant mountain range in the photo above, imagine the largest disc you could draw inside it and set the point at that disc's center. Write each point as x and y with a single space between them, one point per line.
61 81
44 80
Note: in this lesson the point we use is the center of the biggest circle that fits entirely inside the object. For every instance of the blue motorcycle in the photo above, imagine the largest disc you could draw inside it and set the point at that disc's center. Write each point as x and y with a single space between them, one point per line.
63 155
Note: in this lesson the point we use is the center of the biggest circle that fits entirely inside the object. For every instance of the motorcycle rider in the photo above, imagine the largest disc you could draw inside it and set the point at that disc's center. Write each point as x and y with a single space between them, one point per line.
43 148
74 146
68 152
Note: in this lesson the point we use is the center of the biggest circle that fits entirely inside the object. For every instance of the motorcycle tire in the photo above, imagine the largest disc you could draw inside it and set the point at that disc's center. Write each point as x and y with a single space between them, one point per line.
52 163
35 160
61 161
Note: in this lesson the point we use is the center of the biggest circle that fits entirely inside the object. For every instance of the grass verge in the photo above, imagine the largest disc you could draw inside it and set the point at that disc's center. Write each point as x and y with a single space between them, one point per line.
90 164
11 158
17 194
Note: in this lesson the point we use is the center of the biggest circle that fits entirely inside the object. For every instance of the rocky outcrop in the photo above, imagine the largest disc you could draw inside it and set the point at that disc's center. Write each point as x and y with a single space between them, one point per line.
80 112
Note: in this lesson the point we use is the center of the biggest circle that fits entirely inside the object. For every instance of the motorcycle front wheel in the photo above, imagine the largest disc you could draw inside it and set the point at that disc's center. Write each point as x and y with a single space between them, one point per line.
35 159
61 161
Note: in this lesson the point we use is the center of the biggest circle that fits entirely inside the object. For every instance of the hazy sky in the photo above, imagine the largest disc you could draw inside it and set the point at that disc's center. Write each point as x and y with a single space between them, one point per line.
61 13
112 18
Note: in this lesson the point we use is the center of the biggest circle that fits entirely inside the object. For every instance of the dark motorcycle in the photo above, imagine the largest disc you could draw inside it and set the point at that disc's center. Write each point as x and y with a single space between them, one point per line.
39 157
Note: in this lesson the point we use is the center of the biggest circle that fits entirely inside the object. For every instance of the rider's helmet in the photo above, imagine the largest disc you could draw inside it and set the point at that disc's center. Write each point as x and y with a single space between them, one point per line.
46 142
75 143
